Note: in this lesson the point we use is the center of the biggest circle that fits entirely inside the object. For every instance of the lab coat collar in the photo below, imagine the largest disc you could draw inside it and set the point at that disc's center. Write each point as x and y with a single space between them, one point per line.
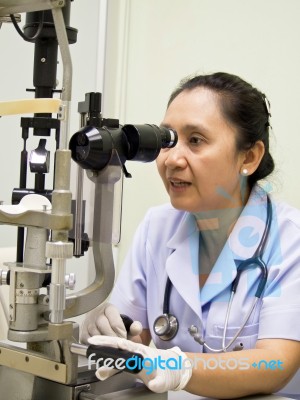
186 228
182 265
241 245
249 228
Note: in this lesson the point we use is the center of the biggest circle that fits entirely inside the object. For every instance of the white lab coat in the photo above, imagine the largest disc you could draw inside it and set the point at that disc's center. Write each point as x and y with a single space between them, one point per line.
167 244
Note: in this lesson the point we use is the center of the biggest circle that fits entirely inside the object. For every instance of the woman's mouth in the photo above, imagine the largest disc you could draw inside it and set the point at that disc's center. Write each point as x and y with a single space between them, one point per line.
178 184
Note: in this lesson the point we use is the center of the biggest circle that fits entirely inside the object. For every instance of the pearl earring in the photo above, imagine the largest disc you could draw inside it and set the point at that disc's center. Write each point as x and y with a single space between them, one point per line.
245 172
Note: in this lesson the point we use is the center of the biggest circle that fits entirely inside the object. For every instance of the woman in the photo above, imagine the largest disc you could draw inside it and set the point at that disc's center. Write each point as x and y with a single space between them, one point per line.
219 217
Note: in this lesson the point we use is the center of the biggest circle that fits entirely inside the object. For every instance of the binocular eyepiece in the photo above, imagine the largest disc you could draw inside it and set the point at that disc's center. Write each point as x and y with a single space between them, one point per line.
93 148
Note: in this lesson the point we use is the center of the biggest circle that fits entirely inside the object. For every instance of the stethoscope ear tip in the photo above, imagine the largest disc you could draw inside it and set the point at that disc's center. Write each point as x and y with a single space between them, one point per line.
238 347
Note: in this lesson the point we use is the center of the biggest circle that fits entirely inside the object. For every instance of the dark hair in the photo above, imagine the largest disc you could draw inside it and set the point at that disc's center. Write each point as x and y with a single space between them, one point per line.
245 107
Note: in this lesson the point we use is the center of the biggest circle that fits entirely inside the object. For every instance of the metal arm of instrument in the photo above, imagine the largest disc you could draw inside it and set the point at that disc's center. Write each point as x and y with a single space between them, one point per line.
67 77
90 297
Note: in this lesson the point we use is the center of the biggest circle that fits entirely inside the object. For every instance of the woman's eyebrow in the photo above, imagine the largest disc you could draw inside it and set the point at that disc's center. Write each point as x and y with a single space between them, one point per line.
162 125
195 127
188 127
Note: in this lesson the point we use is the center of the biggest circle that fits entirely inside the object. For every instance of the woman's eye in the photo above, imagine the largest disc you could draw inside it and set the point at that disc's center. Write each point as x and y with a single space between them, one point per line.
196 140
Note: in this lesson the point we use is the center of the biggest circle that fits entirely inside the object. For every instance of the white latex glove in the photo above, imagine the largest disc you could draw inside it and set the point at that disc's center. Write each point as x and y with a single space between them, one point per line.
159 380
106 320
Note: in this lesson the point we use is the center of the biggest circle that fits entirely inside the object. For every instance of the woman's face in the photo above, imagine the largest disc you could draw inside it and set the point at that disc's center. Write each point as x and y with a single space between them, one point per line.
202 172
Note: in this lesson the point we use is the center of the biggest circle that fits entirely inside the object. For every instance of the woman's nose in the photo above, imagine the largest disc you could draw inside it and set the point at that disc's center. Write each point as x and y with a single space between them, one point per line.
176 157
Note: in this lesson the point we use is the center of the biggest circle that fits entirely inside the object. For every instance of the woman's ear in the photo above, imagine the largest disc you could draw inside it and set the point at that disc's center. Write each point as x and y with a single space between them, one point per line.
253 158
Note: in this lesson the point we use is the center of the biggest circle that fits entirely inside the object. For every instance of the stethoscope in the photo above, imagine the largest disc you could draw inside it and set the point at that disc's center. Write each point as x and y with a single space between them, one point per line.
166 325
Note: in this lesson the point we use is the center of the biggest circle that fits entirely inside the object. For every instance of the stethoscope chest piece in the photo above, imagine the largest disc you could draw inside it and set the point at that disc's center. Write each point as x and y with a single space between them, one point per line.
166 326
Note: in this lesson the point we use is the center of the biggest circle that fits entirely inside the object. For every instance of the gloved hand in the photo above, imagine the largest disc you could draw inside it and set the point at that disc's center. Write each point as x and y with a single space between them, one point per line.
165 377
106 320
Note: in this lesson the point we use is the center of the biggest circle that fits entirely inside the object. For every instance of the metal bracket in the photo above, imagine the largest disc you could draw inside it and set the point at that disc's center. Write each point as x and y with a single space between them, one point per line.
19 6
26 361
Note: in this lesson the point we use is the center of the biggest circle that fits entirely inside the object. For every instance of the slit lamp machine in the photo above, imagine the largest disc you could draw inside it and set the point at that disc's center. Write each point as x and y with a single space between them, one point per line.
40 358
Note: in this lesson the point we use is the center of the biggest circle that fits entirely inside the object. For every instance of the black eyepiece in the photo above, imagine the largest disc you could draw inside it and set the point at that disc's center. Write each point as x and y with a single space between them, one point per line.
92 148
